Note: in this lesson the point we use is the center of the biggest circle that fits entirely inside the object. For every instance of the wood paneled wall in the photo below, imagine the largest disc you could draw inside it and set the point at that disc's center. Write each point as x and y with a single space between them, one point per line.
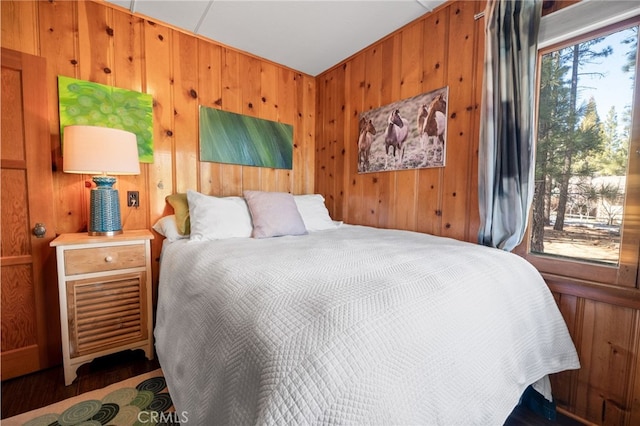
606 332
445 48
96 42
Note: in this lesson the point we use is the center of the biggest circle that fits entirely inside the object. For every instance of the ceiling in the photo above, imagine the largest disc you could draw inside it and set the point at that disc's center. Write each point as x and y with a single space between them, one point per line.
306 35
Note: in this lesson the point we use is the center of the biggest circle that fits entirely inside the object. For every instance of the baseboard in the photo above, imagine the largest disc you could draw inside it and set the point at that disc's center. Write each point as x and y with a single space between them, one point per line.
575 417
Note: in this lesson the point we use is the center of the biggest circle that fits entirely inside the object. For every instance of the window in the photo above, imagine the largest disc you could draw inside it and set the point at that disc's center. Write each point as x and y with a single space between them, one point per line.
585 220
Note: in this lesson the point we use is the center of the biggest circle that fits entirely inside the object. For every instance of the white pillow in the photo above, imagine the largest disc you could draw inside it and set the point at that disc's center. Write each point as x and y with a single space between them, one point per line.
314 212
274 214
168 228
216 218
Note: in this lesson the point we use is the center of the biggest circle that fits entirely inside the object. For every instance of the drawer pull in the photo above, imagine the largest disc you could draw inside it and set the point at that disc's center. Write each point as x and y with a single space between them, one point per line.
108 259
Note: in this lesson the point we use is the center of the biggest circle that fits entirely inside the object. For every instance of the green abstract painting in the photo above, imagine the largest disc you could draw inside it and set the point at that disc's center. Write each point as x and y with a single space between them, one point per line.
92 104
226 137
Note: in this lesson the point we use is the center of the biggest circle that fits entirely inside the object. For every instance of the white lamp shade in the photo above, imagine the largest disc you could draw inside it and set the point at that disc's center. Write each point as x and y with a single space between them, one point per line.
99 150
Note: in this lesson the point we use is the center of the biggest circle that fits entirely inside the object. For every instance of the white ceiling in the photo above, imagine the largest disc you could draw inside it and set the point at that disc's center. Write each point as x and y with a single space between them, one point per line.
307 35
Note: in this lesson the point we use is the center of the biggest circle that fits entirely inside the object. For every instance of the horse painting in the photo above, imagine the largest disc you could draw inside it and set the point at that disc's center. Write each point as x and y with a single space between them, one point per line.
411 134
431 130
396 133
367 131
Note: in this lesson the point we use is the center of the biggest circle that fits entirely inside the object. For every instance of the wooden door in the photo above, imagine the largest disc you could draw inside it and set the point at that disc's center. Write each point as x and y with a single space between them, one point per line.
27 200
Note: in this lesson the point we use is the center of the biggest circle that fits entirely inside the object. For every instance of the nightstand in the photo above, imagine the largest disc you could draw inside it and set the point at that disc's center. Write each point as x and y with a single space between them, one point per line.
104 285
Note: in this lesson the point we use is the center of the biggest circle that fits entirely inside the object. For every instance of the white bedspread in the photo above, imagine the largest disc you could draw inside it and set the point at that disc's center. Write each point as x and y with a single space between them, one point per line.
355 325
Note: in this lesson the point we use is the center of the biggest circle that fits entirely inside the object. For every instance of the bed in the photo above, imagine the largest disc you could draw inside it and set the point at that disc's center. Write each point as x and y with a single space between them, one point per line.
351 324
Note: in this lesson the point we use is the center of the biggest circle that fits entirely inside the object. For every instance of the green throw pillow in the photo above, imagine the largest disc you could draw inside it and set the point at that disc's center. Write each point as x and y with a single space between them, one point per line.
181 209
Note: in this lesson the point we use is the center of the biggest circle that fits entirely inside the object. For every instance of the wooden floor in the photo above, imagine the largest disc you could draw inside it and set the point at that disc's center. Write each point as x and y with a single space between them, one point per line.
47 387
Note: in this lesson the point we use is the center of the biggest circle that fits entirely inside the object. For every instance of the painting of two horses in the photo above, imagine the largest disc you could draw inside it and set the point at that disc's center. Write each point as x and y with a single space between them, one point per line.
408 134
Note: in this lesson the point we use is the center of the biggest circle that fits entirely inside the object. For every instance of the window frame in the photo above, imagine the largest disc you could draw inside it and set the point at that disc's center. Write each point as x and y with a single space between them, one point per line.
626 273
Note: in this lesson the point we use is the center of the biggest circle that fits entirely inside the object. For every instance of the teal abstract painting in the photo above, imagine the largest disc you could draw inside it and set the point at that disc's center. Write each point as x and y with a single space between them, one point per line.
226 137
93 104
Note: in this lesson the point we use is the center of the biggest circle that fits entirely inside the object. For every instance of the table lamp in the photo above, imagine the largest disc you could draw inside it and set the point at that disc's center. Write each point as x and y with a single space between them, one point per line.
101 151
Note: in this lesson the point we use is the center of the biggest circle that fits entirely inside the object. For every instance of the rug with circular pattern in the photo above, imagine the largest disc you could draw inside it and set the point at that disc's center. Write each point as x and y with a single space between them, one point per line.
141 400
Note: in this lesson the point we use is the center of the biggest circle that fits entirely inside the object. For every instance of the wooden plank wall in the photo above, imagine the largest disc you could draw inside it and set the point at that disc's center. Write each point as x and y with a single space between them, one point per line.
446 48
103 44
604 322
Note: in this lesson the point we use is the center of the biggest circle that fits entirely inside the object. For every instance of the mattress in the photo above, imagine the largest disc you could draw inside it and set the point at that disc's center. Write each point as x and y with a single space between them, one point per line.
355 325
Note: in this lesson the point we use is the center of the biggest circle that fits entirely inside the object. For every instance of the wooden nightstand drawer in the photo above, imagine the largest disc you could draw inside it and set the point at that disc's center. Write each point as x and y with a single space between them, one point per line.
99 259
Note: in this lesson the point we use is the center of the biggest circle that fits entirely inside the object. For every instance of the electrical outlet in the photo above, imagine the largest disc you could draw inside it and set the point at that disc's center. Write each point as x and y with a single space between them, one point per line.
133 199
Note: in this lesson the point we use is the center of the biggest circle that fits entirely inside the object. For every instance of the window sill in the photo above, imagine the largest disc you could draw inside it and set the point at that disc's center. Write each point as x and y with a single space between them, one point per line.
606 293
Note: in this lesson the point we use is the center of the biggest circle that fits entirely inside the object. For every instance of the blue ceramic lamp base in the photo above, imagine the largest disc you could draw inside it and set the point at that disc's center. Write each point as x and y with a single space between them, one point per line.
105 208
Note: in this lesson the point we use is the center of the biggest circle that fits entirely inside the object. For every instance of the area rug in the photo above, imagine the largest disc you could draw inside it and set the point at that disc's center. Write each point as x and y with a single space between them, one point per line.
140 400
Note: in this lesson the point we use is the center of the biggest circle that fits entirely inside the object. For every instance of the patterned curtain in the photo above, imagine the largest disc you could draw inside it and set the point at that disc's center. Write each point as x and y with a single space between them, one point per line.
506 156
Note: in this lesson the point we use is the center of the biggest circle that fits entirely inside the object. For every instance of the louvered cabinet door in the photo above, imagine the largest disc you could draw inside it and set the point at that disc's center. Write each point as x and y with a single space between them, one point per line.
104 286
106 312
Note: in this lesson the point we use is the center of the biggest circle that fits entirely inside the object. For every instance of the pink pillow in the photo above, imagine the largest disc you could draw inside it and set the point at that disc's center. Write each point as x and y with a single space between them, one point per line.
274 214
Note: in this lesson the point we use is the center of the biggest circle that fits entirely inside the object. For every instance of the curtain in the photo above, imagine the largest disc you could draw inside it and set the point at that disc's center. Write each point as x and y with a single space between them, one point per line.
506 151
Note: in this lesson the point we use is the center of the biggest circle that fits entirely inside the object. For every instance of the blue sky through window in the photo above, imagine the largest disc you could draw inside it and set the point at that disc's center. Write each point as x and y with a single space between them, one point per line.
615 88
